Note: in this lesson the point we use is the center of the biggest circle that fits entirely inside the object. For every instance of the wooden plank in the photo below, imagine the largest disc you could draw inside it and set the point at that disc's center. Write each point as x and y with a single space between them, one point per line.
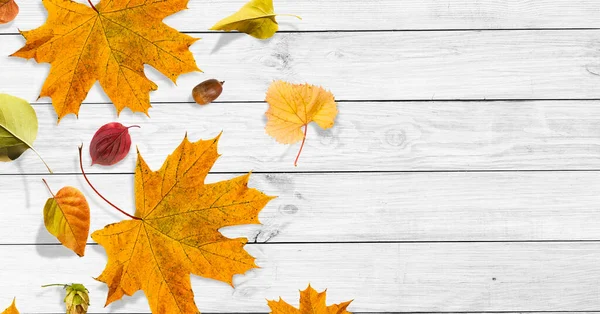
321 15
514 206
395 136
372 66
379 277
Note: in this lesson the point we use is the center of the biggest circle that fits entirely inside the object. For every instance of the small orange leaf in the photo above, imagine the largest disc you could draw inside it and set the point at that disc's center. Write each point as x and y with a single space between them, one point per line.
176 232
311 302
293 106
8 11
12 309
67 217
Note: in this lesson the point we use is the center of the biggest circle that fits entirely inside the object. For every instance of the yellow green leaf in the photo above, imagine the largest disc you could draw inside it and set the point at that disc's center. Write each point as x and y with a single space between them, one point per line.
18 128
256 18
67 217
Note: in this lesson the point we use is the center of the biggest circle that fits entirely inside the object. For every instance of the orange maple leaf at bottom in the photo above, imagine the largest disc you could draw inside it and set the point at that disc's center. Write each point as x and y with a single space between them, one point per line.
177 233
12 309
311 302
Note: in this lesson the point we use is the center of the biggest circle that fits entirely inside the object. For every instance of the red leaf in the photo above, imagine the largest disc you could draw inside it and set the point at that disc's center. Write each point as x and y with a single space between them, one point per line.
110 144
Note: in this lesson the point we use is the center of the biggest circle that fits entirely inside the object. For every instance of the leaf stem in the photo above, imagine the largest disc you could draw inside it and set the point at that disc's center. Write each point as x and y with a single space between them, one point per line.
55 285
134 126
296 16
28 145
42 159
49 189
93 7
93 188
301 146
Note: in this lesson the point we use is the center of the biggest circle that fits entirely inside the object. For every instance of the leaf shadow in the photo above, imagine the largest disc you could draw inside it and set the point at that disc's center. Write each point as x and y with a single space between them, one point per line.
53 250
9 26
226 39
288 26
25 183
119 306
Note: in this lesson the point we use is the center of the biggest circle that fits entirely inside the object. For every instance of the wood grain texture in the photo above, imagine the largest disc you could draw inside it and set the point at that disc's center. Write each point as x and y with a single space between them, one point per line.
319 15
513 206
426 240
395 136
371 66
379 277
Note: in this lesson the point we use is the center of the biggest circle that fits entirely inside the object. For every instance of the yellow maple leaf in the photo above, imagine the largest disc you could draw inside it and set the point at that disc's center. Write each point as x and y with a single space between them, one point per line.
12 309
177 232
256 18
311 302
293 106
109 43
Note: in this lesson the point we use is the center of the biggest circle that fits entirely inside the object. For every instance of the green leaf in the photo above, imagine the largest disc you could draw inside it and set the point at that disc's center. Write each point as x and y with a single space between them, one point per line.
256 18
18 128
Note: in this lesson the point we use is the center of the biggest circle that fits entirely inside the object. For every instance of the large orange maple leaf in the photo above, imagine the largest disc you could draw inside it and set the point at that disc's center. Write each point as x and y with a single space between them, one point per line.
177 232
311 302
109 43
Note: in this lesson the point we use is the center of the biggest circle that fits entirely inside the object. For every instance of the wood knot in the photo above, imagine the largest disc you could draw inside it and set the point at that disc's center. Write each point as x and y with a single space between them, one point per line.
288 209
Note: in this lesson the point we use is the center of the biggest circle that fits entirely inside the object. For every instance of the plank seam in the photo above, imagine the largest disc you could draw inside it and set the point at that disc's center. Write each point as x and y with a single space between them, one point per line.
322 172
366 242
395 30
364 101
475 312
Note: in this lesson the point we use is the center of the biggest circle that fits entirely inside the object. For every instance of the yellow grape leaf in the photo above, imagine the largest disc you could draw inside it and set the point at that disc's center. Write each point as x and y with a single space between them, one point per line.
12 309
8 11
294 106
256 18
176 230
110 45
67 217
311 302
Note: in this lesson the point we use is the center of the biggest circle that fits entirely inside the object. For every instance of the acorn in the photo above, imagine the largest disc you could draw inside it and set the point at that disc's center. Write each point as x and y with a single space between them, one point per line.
207 91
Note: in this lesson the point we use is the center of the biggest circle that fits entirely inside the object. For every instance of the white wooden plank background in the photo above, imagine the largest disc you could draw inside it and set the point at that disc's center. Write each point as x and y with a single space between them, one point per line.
458 206
541 64
397 277
429 194
351 15
369 136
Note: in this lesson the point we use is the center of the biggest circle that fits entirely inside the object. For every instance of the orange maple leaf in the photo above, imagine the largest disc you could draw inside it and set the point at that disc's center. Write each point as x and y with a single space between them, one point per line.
109 43
311 302
12 309
177 232
293 106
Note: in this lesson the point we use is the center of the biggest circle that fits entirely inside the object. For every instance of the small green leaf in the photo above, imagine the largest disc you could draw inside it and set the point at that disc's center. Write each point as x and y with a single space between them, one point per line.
18 128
